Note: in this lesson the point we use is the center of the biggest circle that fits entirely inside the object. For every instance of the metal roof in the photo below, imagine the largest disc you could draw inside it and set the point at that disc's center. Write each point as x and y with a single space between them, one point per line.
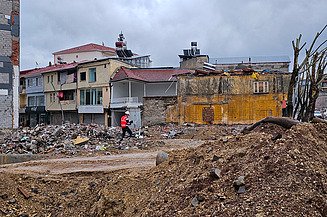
250 59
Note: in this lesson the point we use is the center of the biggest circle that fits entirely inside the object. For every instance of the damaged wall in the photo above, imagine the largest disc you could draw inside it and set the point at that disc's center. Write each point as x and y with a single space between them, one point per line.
230 99
159 110
9 63
194 63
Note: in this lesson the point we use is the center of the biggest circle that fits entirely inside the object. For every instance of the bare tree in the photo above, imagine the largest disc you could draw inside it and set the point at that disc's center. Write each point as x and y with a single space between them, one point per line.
306 78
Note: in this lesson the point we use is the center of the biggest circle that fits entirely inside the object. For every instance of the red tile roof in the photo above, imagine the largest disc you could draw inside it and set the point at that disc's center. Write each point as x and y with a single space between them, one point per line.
149 74
53 68
86 48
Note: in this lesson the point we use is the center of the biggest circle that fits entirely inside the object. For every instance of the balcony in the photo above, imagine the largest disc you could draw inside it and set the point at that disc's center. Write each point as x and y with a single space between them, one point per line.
122 102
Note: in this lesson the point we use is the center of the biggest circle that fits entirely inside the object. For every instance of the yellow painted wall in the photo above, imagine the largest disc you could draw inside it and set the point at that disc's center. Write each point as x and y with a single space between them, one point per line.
22 100
236 105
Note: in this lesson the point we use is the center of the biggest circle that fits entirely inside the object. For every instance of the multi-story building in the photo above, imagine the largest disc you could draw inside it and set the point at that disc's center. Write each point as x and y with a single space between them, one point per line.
9 63
32 104
93 93
60 92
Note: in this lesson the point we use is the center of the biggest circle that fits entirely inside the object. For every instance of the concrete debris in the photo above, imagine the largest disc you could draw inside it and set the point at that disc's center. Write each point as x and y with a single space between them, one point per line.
161 157
215 173
239 185
79 139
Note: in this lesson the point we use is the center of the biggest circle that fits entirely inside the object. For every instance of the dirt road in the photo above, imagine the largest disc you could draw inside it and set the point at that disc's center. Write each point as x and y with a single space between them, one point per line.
137 159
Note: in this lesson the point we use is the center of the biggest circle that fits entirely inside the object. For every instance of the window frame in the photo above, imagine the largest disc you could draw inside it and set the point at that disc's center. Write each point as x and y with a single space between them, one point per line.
91 97
84 76
93 75
260 87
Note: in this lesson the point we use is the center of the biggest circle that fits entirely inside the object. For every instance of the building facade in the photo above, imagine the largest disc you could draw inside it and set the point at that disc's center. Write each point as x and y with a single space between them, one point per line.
9 63
35 112
133 88
60 86
93 90
242 98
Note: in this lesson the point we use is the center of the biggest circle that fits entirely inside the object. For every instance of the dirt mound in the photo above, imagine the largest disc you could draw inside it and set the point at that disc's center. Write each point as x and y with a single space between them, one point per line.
282 177
257 174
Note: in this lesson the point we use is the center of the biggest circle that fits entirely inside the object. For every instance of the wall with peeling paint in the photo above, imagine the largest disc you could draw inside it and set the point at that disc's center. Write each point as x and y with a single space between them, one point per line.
229 99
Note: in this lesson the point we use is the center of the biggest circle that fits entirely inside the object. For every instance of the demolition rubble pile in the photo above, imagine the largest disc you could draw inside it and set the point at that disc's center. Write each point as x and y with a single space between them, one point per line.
73 139
66 138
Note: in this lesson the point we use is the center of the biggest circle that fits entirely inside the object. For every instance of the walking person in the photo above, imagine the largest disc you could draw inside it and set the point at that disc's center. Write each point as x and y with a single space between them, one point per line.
124 122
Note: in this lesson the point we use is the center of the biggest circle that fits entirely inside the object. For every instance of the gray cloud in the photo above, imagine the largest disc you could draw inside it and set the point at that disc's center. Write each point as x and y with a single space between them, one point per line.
163 28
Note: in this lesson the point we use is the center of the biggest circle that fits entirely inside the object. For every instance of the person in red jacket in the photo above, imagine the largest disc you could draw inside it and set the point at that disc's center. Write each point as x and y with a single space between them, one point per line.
124 122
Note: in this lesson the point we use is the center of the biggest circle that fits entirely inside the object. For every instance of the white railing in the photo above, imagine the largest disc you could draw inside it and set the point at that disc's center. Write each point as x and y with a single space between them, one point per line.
123 100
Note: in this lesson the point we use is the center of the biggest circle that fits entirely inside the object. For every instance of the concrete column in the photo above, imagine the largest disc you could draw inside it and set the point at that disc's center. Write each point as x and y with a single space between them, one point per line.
106 118
81 118
129 89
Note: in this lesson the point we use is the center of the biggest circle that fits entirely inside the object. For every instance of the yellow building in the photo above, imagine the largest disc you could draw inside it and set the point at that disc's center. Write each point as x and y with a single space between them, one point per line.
93 90
230 98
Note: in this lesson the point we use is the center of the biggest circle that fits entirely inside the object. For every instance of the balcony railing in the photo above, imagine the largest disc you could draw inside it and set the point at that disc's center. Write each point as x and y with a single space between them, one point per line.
123 100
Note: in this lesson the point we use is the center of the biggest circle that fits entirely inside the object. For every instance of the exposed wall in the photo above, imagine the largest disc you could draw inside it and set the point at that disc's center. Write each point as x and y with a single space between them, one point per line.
9 63
55 117
229 99
161 89
159 110
194 63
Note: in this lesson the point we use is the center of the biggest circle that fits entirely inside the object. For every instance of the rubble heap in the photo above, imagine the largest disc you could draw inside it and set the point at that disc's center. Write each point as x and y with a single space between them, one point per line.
74 139
68 138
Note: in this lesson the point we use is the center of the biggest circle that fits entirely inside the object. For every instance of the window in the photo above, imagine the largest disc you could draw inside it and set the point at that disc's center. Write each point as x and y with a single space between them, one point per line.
68 95
91 96
48 78
261 87
29 82
37 82
58 77
83 76
92 75
31 101
40 100
53 97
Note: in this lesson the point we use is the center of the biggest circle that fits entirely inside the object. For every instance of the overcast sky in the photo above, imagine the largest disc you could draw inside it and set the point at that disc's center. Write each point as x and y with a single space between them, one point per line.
163 28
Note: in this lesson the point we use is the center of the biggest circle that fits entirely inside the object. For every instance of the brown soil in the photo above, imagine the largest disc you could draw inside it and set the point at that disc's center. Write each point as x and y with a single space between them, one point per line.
285 175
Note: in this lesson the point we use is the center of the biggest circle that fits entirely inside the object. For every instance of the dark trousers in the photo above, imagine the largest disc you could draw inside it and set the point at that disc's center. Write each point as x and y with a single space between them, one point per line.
126 129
